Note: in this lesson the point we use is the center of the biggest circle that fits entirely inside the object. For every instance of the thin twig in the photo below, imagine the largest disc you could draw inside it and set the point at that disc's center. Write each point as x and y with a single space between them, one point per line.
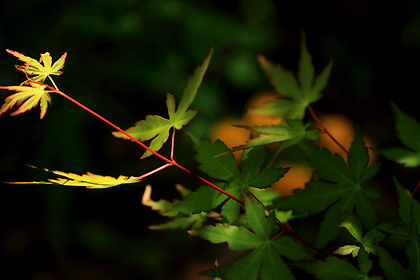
324 129
415 189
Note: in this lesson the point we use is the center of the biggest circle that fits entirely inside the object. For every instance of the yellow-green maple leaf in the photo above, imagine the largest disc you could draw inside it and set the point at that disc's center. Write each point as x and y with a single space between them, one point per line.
30 95
88 180
35 69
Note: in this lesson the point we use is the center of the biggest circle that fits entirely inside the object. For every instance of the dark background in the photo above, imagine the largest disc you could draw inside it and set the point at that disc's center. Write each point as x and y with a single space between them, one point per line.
123 57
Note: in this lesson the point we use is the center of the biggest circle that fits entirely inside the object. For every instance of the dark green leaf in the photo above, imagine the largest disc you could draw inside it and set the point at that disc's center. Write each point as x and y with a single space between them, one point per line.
392 268
333 268
408 131
265 258
345 193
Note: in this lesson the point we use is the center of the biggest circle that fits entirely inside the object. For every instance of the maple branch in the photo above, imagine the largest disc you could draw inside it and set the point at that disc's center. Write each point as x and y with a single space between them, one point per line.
208 182
104 120
324 129
172 162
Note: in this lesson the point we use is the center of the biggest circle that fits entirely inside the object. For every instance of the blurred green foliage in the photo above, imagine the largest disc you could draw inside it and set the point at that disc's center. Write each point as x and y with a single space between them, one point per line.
124 55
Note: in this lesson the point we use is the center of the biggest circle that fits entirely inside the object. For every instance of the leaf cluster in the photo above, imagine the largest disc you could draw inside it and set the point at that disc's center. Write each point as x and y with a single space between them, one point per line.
236 205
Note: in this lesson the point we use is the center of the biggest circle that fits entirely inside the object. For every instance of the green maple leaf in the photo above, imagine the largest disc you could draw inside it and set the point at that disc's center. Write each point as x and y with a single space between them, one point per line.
251 174
342 189
412 248
407 204
288 133
89 180
366 243
391 267
296 95
157 127
30 95
38 71
408 131
164 208
266 257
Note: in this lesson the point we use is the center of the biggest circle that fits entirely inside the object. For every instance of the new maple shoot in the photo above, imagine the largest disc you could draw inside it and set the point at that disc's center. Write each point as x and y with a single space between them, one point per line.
30 92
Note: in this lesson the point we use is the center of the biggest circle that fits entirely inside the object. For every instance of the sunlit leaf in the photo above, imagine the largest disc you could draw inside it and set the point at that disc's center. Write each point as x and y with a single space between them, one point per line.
157 128
27 96
89 180
35 69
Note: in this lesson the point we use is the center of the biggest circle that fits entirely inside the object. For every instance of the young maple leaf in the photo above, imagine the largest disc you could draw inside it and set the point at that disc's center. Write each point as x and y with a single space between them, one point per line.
36 69
266 258
252 173
408 131
30 95
89 180
296 95
157 127
341 190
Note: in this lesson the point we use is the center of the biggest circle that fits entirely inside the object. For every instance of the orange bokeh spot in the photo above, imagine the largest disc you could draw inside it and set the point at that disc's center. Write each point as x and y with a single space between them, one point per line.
343 130
295 178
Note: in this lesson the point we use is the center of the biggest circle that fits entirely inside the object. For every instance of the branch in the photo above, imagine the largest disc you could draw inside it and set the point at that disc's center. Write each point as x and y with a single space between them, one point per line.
324 129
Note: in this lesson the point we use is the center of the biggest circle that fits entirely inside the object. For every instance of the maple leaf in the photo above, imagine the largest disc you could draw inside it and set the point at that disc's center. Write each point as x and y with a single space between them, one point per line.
252 173
89 180
289 133
157 127
164 208
296 94
342 189
30 95
365 243
34 68
334 268
408 131
407 204
266 258
392 267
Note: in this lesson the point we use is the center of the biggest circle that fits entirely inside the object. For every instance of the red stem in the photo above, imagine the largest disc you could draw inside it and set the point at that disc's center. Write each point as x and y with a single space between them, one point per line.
169 161
415 189
172 162
324 129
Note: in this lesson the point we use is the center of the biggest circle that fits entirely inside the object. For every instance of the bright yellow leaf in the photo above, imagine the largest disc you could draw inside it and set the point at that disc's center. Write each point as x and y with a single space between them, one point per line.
36 69
89 180
29 95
